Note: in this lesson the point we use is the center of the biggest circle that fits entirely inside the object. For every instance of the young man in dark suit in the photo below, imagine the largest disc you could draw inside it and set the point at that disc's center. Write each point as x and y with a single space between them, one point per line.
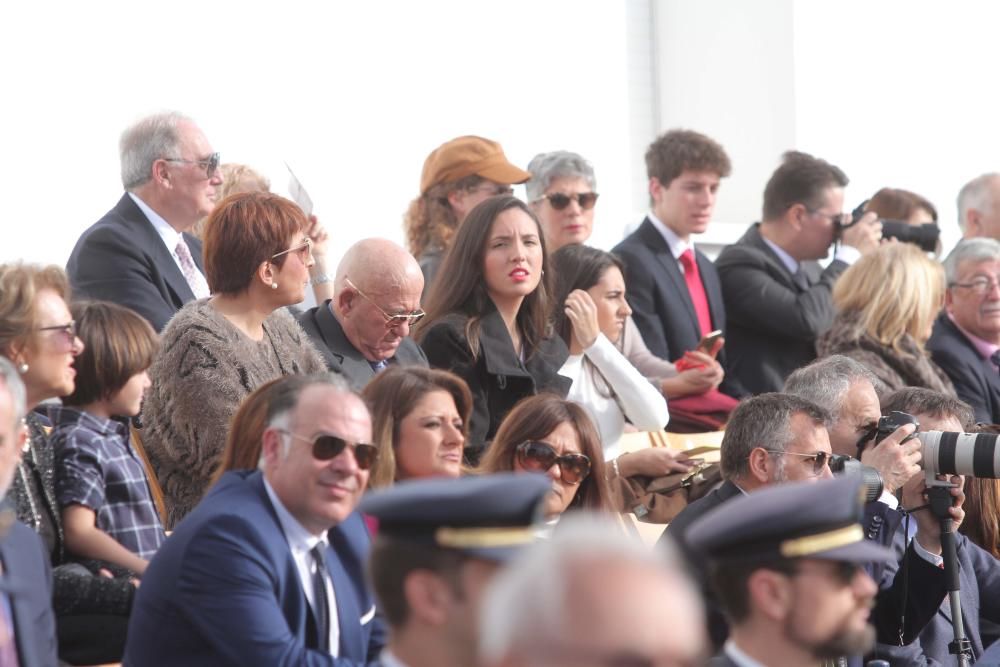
141 254
778 298
269 568
673 288
966 338
366 326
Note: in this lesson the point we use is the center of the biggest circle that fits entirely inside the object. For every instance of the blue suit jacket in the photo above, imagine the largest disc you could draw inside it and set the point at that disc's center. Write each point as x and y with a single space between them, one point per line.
979 578
660 301
976 381
224 590
122 259
27 581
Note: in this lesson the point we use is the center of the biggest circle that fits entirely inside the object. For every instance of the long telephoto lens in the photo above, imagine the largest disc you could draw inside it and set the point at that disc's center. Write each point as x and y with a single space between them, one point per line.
949 453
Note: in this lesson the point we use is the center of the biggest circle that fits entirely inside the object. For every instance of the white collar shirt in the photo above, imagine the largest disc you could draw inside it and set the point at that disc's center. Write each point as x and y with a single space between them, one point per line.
739 657
301 543
170 236
676 244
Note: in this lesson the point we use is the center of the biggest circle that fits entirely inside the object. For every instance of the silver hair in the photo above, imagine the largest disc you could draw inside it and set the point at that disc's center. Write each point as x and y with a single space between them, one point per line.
10 378
146 141
547 167
544 574
826 382
978 249
976 194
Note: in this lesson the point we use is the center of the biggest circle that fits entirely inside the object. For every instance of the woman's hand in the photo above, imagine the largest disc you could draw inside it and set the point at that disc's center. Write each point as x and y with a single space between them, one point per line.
319 237
653 462
705 375
582 314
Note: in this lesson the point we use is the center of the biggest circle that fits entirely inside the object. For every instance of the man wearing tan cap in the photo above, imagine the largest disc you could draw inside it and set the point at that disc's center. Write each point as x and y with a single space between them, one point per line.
457 175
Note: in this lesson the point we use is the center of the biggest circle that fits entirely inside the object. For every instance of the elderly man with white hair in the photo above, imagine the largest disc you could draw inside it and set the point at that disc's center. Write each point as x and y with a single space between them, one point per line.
597 597
366 326
979 207
966 338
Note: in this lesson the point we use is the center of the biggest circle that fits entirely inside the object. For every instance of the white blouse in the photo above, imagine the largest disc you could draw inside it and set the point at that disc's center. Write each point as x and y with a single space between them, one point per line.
644 406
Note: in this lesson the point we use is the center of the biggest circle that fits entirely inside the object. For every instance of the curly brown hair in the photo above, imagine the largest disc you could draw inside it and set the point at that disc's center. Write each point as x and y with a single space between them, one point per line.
677 151
430 222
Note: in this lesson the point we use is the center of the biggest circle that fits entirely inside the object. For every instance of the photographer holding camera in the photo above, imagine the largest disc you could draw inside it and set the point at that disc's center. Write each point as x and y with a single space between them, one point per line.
777 296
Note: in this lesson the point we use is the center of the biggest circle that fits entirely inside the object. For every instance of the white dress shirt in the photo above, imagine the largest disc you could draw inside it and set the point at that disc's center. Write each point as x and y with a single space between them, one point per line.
170 236
301 542
675 243
739 657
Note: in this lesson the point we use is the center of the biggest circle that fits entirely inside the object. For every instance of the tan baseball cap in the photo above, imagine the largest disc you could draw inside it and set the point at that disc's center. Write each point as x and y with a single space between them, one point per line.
466 156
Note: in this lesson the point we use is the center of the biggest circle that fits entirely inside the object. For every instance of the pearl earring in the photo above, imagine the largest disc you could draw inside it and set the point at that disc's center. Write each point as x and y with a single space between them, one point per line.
23 368
274 285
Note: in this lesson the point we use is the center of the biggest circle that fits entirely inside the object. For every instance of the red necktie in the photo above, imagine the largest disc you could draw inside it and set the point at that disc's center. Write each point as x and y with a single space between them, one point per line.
697 291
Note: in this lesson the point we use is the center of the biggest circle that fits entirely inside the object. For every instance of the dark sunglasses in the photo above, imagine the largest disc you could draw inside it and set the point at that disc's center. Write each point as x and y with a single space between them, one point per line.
209 164
559 201
540 456
819 460
326 447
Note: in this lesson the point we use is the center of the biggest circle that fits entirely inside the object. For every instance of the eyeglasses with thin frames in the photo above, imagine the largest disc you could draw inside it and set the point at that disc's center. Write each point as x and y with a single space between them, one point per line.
326 447
68 330
494 189
980 285
820 460
391 321
835 218
304 250
209 164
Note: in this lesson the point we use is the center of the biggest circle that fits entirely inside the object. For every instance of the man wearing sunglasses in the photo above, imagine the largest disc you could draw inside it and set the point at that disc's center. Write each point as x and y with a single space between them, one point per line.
141 254
269 568
440 542
778 298
366 326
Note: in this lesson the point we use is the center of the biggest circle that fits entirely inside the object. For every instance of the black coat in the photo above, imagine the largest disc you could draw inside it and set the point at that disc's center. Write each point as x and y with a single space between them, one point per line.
976 380
496 377
773 320
660 301
122 259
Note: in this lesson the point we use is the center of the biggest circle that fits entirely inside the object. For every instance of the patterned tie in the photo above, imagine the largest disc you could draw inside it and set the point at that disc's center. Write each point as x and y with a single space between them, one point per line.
321 603
697 291
378 366
192 275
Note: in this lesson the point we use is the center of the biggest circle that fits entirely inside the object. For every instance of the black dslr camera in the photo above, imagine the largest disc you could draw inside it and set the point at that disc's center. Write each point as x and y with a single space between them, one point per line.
923 236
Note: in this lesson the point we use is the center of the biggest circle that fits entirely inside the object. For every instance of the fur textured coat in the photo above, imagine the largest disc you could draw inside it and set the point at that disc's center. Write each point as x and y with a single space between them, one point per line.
910 367
204 369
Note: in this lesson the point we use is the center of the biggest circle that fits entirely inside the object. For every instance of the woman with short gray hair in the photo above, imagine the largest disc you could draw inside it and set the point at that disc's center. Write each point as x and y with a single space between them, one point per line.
562 194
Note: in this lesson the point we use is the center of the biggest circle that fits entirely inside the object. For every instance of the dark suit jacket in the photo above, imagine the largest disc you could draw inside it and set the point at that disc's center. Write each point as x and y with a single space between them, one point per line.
224 590
342 357
979 578
923 591
496 377
122 259
976 380
660 301
27 581
772 321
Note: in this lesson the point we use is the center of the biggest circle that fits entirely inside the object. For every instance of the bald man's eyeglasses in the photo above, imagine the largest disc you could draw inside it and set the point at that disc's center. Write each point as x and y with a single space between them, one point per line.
209 164
391 321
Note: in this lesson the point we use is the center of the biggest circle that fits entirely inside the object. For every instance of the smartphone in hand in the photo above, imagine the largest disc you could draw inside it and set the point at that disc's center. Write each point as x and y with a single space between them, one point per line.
708 342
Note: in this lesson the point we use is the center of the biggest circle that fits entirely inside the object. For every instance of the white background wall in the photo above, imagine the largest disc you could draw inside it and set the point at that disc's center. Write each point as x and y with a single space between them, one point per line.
354 96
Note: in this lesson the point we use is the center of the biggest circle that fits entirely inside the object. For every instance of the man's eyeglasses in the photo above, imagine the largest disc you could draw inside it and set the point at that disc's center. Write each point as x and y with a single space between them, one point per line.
843 571
819 460
209 164
559 201
68 330
304 250
326 447
494 189
980 285
835 218
539 456
391 321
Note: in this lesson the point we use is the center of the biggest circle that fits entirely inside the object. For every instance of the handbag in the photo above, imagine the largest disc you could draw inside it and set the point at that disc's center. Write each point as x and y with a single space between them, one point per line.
660 499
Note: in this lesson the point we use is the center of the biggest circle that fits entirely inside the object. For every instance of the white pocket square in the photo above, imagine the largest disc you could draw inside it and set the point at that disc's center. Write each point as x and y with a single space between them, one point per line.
366 619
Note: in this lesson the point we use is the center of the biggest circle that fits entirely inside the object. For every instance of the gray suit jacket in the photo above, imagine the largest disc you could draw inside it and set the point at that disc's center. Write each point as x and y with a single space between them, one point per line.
342 357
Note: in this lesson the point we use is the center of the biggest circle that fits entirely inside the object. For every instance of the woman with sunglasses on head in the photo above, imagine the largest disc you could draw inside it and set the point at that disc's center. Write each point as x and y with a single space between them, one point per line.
216 351
550 435
38 335
590 313
420 418
488 317
562 193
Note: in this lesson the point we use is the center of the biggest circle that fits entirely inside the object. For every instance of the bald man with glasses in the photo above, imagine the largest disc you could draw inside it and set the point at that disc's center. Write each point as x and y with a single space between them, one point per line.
141 254
366 326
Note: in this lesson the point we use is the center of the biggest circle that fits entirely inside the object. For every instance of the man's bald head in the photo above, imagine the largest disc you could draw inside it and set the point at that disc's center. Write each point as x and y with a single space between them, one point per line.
376 279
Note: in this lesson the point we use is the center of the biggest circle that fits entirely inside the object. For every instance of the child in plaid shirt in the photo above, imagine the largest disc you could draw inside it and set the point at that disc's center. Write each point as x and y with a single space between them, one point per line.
107 508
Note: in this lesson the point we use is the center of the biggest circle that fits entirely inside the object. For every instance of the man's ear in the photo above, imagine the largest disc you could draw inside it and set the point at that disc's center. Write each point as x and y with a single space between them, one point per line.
428 597
770 594
761 464
271 447
161 173
655 188
345 300
796 215
948 299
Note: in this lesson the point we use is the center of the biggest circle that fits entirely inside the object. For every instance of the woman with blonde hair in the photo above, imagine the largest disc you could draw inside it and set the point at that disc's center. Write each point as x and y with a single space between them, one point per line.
886 305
